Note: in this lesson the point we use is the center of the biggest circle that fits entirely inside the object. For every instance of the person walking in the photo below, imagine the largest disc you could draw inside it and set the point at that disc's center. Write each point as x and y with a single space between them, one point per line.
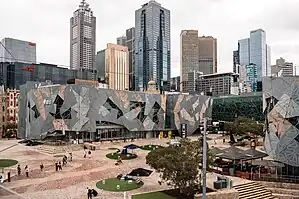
71 157
89 193
19 170
89 154
27 171
41 167
59 166
56 166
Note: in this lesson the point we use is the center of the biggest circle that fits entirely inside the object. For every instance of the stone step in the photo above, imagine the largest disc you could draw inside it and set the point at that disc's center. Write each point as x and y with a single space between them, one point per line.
292 192
285 196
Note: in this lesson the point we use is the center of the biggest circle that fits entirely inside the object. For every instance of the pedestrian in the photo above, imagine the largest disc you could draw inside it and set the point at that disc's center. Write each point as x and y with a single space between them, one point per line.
41 167
27 171
19 170
84 154
71 156
89 193
59 166
89 154
56 166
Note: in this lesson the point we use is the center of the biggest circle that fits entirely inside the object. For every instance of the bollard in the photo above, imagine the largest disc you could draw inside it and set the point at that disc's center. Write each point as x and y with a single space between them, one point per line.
8 177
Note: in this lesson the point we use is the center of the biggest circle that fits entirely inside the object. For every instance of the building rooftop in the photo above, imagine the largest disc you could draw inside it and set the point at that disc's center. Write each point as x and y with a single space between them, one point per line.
220 74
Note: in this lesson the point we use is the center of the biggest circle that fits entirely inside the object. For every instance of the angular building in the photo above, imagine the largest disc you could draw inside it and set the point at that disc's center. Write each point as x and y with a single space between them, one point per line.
255 51
152 46
83 38
78 110
112 64
198 55
14 50
281 108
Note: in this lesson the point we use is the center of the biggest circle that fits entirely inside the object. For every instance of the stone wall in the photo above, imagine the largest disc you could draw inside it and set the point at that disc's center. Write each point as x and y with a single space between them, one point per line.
223 194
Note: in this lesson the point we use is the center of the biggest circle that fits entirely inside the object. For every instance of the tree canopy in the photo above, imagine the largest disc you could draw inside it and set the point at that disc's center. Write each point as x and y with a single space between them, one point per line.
179 166
241 126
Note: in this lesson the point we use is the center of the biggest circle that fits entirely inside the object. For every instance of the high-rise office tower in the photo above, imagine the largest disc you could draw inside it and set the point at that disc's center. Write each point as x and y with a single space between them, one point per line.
129 41
236 62
255 51
121 40
152 46
198 56
112 63
14 50
189 57
207 55
130 35
83 38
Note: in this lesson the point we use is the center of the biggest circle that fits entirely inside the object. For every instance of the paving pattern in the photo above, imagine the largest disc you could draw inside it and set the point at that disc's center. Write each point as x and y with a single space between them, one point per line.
72 180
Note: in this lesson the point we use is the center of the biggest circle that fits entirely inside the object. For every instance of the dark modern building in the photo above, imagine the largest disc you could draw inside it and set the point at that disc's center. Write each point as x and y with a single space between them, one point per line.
247 105
16 74
236 61
152 46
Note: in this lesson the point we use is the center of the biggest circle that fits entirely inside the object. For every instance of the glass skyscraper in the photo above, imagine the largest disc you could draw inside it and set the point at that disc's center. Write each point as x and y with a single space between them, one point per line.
152 46
255 51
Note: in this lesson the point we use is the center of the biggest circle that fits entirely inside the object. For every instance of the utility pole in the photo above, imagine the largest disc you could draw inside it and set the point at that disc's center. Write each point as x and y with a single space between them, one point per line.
204 160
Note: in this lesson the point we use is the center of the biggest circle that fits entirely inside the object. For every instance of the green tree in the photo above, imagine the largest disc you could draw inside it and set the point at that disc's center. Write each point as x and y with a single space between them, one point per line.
241 126
179 166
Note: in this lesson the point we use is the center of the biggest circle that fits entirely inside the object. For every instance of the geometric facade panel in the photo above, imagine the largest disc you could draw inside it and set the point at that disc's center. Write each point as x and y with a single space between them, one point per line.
82 107
281 109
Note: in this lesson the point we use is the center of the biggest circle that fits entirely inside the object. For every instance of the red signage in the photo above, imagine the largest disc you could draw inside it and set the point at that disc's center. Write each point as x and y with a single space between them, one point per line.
28 68
31 44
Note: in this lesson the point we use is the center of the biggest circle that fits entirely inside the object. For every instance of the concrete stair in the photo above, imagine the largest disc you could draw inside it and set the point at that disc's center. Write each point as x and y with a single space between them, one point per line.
253 190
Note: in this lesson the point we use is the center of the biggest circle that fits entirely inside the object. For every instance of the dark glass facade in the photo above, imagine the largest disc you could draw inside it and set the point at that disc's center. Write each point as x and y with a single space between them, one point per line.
16 74
152 46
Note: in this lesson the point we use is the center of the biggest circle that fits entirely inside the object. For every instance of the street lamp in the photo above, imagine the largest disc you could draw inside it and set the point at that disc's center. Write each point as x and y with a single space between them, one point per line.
204 159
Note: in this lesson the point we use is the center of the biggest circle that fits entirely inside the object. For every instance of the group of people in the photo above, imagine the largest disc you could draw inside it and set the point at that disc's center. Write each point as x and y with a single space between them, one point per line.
26 170
91 192
58 165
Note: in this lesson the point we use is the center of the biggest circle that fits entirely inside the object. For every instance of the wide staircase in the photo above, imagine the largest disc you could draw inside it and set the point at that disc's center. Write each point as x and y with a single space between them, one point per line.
253 190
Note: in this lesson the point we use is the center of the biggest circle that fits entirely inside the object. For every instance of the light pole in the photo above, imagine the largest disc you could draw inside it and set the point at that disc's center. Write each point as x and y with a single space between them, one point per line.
204 160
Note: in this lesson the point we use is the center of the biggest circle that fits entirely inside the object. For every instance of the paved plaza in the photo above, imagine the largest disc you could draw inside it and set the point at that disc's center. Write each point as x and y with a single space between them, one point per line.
78 174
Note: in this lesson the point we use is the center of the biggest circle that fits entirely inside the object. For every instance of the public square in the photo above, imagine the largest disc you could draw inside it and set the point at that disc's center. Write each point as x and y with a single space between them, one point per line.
78 174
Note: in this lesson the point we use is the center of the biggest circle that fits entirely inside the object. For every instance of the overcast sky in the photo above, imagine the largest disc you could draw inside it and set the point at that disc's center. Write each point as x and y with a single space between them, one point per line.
46 22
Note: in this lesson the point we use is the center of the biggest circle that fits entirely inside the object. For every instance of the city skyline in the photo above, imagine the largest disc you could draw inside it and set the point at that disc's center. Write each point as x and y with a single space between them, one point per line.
281 32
